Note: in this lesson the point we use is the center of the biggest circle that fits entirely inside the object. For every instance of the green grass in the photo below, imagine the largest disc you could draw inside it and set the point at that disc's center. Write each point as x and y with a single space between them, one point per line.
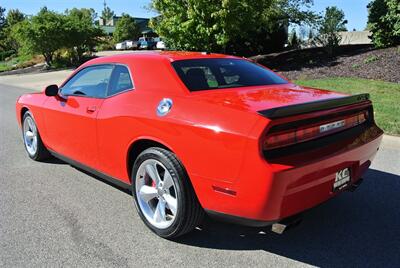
16 62
7 65
371 59
4 67
384 95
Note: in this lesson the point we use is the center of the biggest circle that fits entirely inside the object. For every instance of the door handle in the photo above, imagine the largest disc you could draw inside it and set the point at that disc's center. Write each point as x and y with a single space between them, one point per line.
91 109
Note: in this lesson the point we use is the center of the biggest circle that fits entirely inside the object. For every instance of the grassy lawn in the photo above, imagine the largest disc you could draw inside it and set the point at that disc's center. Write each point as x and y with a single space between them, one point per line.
384 95
5 66
18 62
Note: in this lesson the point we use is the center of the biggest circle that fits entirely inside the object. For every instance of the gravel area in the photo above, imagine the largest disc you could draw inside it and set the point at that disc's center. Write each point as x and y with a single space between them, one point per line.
351 61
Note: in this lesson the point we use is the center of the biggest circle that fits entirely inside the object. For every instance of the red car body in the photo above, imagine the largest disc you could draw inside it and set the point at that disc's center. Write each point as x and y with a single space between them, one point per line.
218 135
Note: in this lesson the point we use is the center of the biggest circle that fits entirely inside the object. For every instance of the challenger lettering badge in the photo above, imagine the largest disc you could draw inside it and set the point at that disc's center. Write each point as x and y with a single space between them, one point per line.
330 126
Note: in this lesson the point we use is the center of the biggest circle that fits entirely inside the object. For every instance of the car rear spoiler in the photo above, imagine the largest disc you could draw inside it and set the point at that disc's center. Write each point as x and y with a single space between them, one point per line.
314 106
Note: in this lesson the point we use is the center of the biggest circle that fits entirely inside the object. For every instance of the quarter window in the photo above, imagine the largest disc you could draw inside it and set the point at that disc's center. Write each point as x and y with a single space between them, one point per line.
120 80
89 82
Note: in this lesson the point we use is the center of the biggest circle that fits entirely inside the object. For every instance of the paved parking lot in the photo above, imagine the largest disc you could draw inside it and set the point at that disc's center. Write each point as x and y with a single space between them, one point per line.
52 214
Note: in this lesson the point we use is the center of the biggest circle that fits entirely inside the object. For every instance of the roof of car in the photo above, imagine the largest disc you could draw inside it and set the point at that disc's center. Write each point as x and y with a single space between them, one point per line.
170 55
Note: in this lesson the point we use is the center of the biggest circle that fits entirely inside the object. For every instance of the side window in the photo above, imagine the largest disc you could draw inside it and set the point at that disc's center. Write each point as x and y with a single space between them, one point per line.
89 82
120 80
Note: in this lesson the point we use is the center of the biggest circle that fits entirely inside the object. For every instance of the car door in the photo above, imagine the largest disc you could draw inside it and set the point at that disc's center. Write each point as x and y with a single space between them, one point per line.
71 118
114 121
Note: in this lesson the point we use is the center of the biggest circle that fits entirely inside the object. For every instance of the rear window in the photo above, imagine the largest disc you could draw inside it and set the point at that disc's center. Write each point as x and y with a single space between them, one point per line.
205 74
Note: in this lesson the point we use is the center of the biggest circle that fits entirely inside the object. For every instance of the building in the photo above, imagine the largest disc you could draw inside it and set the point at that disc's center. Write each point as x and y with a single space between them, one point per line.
346 39
355 38
109 25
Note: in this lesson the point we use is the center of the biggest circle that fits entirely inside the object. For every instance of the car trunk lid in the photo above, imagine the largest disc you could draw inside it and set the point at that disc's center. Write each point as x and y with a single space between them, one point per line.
297 114
261 98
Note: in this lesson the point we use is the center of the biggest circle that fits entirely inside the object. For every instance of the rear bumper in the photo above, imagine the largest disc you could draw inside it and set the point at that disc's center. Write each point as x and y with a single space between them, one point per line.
268 191
307 186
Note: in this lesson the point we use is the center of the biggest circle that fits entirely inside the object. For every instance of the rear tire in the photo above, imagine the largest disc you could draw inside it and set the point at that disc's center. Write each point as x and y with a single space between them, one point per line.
32 140
163 194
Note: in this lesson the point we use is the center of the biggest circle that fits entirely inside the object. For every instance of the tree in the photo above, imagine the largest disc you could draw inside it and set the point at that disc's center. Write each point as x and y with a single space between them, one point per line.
227 25
82 34
294 40
310 35
107 14
2 18
329 26
2 26
14 16
126 29
42 34
384 22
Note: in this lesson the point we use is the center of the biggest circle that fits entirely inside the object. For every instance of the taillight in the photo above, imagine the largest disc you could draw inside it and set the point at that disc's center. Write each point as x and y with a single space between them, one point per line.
305 133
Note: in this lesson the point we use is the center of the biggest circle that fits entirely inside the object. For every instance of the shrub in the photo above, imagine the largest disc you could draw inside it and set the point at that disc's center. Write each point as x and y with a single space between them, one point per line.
105 43
384 22
371 59
6 54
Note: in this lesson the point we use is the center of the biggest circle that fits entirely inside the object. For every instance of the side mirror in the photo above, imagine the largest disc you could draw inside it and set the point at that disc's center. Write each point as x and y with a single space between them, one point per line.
51 90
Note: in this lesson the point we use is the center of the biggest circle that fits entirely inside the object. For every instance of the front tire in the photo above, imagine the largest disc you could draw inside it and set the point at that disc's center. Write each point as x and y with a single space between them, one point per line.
163 194
32 140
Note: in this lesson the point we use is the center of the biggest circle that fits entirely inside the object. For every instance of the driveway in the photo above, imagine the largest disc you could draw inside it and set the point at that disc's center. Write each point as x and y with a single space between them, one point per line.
52 214
38 81
35 81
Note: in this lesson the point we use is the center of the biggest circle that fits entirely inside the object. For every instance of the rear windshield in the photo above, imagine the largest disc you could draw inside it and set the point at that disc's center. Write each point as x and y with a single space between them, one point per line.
204 74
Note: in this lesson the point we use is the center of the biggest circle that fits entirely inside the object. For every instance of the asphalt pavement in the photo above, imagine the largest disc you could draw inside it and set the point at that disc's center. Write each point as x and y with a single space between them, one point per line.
52 214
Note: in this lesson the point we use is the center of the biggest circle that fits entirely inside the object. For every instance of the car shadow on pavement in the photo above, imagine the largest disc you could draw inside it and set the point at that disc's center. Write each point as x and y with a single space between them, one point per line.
353 229
127 191
53 160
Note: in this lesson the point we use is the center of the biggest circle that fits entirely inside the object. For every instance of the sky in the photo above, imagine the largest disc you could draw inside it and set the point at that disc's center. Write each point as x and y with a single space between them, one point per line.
355 10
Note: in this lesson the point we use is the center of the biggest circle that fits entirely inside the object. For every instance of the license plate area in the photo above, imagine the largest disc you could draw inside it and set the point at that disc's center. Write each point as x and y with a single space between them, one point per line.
342 179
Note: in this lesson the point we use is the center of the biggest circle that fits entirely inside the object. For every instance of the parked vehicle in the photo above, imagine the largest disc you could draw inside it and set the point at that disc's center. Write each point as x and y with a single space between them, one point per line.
160 43
127 44
121 46
132 44
147 43
193 133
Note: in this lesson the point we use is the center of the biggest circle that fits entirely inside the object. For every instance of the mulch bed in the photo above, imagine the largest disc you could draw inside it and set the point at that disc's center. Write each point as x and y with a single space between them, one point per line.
350 61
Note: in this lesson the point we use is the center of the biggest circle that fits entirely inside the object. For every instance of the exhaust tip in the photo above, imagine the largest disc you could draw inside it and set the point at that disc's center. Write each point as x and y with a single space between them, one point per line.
355 185
285 224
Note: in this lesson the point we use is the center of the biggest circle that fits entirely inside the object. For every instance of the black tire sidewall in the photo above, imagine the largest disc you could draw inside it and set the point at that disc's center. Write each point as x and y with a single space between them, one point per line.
177 175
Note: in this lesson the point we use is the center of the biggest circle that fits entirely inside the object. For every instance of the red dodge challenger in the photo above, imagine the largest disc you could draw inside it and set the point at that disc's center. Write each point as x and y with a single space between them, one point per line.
193 133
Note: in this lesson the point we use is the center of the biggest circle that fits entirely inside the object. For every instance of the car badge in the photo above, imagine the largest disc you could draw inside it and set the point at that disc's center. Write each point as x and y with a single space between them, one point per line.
164 107
331 126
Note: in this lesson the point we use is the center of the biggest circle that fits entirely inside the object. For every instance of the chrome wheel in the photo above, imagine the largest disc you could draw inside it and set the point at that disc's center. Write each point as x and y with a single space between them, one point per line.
30 136
156 193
